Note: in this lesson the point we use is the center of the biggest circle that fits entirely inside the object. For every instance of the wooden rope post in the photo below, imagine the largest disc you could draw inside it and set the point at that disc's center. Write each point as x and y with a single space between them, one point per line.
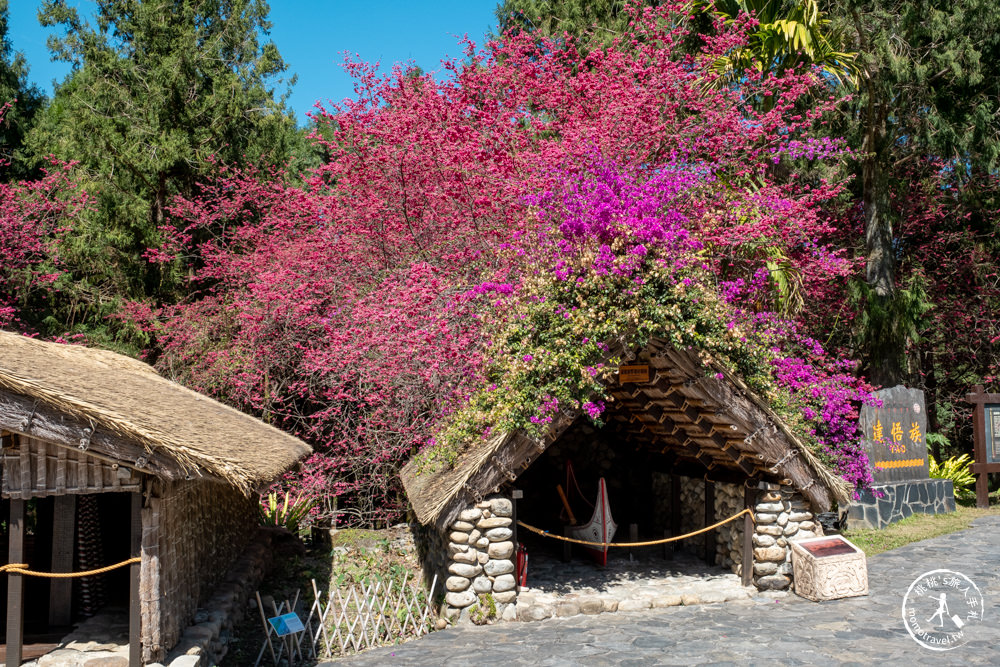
15 584
135 611
748 531
675 508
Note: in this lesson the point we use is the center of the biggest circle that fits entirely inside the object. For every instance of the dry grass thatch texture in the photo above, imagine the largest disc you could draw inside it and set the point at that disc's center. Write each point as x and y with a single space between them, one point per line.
129 399
431 491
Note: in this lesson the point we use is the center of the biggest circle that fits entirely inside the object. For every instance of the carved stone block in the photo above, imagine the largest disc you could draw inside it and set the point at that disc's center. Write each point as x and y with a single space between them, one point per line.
829 568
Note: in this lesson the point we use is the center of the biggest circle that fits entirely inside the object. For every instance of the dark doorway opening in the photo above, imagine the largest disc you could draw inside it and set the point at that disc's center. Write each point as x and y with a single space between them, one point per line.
68 533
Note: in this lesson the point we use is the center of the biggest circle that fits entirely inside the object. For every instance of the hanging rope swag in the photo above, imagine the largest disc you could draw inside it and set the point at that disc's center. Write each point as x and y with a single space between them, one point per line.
19 568
545 533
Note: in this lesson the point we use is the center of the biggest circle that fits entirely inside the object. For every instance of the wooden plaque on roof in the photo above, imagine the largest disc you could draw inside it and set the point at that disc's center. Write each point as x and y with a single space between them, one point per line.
633 373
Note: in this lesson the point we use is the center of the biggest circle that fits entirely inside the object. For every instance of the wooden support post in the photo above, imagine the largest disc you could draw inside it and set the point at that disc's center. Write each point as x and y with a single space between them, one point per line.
633 536
982 491
985 452
63 531
135 613
515 495
748 531
709 520
567 546
979 447
15 584
675 510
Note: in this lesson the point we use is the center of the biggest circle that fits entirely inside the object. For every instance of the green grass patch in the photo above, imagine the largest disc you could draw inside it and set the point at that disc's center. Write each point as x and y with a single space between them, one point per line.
357 537
915 528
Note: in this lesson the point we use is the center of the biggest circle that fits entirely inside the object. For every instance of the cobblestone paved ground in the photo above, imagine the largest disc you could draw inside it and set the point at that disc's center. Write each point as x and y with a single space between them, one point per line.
764 630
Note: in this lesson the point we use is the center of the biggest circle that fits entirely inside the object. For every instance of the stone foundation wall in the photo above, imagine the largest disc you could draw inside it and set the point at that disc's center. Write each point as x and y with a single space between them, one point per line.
900 500
783 516
692 514
729 537
728 501
480 582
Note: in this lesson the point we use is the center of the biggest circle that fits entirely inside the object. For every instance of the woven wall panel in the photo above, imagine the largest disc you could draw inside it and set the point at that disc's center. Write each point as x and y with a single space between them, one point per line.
202 528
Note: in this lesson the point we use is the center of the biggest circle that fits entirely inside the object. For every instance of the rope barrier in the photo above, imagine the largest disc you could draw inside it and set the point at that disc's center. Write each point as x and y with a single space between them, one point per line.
545 533
20 568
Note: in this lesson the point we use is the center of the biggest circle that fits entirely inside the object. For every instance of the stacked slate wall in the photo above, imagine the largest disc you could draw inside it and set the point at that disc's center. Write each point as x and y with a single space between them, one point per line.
728 501
192 533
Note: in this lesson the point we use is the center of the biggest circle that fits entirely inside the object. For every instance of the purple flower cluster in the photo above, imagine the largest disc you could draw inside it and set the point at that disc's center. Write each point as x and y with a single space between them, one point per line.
622 216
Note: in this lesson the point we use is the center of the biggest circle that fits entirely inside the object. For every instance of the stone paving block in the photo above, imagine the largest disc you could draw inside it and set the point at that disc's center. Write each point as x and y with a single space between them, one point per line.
634 604
591 605
666 601
567 608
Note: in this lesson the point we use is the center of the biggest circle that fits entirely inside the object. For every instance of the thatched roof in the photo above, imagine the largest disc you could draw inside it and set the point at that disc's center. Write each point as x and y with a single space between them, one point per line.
123 409
692 409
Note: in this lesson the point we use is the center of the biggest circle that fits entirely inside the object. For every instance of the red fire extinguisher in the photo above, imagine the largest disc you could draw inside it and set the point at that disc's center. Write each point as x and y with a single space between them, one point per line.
522 566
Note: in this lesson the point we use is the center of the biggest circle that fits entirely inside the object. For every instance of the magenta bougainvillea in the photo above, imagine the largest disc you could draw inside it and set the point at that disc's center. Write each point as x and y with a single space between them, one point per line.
614 261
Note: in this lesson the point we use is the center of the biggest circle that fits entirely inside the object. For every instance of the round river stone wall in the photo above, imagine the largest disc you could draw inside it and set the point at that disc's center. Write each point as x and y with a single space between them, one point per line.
783 516
479 552
481 559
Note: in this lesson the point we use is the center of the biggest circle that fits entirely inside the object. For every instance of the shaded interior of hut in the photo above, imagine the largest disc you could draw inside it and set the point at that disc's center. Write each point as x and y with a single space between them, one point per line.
654 490
69 533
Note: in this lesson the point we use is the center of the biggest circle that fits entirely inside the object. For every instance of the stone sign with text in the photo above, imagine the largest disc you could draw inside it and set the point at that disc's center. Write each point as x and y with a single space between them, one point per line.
894 435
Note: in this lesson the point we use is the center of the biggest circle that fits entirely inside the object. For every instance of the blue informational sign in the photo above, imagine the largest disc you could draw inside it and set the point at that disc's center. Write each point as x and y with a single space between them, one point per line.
286 624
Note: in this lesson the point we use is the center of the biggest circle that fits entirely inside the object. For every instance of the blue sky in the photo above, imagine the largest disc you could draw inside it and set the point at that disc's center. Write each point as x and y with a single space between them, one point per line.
312 36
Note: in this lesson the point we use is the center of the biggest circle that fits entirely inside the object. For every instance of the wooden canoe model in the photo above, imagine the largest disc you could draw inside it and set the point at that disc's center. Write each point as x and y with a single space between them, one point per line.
600 528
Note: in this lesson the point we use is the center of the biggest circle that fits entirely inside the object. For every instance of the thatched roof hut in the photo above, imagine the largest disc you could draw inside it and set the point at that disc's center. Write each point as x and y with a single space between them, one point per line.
160 471
180 433
687 444
691 408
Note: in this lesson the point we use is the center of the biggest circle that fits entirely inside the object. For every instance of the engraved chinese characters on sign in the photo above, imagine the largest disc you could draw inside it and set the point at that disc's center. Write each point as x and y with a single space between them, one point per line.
894 435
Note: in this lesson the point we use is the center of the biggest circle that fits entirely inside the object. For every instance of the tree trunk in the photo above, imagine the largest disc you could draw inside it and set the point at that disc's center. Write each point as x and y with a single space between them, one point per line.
880 267
153 277
880 254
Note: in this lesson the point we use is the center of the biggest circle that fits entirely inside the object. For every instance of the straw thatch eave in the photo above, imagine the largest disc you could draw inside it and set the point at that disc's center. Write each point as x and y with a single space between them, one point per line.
692 406
122 409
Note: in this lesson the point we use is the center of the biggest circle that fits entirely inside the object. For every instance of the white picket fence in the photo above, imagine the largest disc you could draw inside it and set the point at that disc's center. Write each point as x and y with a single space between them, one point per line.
352 619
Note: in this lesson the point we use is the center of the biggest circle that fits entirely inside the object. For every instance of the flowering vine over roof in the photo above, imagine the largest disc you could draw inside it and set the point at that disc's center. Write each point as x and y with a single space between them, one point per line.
613 267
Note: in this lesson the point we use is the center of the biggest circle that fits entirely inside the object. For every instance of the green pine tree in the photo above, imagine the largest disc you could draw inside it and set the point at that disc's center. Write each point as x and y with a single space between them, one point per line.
928 87
161 91
24 99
